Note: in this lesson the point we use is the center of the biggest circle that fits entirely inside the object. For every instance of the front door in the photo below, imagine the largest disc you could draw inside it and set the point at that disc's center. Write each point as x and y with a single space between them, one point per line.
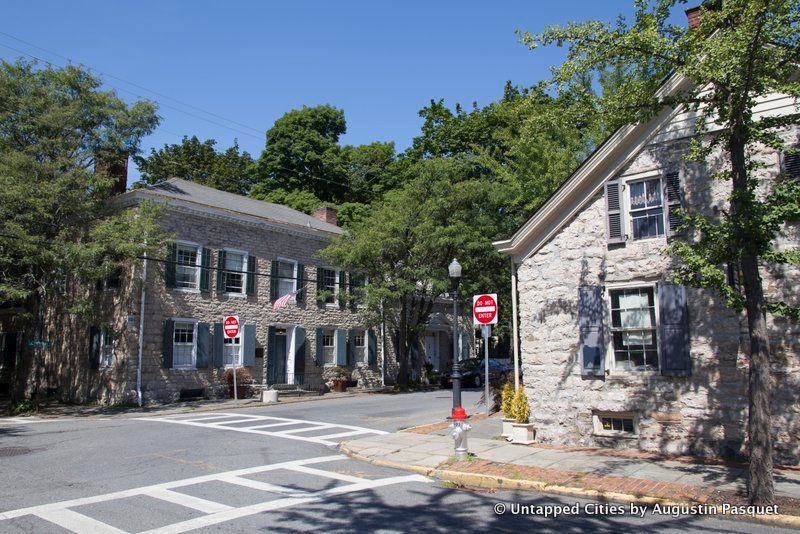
432 350
280 355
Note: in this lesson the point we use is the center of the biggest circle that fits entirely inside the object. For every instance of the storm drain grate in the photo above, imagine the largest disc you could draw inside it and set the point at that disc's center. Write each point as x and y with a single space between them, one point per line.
14 451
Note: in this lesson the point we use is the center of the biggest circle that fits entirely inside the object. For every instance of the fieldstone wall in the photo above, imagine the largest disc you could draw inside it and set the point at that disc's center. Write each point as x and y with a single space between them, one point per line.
704 414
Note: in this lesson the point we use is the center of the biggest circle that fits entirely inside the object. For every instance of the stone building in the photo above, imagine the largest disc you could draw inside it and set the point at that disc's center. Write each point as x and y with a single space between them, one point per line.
230 255
614 354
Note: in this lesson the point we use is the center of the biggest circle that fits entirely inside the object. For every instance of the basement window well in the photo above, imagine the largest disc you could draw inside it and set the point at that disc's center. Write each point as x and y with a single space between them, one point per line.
615 424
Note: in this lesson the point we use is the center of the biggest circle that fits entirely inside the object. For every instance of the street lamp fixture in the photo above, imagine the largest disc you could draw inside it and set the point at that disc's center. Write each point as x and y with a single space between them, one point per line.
455 277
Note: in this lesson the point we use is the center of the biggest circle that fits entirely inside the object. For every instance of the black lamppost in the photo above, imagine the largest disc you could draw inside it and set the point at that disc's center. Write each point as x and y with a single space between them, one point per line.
455 278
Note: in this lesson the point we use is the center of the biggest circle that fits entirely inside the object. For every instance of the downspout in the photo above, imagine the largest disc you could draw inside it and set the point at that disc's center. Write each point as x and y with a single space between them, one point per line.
141 331
514 325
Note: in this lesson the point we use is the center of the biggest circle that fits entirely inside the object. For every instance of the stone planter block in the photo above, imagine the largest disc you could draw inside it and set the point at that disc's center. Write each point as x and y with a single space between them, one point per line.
523 433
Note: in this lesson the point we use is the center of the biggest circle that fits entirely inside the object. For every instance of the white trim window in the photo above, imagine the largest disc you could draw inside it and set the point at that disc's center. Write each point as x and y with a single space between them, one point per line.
287 277
620 424
645 208
232 351
184 344
329 347
187 265
235 271
358 289
106 347
360 347
634 332
330 284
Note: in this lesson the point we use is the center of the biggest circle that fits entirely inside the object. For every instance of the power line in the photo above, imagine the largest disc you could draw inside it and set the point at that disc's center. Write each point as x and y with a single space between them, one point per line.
162 95
51 64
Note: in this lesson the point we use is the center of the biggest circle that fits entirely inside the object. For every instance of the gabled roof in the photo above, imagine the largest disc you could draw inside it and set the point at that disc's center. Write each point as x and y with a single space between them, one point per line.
192 196
587 180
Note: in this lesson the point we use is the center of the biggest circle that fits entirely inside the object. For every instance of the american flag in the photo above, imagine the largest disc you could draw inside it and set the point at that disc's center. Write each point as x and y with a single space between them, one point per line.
284 300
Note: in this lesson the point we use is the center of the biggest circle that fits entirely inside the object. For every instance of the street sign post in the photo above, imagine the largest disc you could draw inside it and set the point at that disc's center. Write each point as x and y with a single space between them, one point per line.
484 309
484 313
230 330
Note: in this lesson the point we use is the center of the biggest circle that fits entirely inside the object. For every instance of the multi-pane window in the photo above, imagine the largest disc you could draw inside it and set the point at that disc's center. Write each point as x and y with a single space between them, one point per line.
633 329
106 347
286 277
183 341
646 209
329 283
358 287
328 346
232 351
187 268
617 424
360 347
234 272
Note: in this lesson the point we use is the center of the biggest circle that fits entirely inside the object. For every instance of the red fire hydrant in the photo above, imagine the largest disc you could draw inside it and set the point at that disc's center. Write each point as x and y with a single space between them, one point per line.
459 428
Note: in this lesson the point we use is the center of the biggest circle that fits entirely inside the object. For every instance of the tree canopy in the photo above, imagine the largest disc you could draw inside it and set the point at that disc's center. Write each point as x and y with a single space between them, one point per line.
199 162
56 229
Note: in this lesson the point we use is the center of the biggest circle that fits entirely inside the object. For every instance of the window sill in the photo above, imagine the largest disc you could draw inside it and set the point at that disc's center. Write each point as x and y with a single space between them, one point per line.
615 435
184 369
646 239
235 295
185 290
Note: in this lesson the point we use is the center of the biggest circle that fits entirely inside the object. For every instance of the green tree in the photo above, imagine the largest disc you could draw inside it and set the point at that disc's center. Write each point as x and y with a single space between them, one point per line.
408 239
742 50
199 162
303 153
56 230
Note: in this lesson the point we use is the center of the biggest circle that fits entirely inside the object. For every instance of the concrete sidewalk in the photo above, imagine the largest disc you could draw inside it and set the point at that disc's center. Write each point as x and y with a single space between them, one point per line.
591 472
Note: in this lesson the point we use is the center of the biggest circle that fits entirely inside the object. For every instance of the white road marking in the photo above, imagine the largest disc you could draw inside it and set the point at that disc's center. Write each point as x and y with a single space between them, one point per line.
189 501
269 422
76 522
59 513
206 417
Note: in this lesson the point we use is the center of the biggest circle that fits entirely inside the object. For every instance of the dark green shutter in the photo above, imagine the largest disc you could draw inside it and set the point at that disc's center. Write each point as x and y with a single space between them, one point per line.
673 316
205 270
372 348
249 345
299 353
271 356
319 355
273 282
320 283
169 265
673 198
341 347
615 222
168 337
301 282
218 358
590 320
351 347
251 275
341 295
94 347
221 271
203 342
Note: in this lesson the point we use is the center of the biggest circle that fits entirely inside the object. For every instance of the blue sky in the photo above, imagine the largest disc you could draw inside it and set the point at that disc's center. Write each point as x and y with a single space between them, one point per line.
248 62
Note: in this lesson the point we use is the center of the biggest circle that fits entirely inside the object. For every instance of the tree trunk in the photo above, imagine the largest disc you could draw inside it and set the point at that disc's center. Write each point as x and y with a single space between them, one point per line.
402 349
761 485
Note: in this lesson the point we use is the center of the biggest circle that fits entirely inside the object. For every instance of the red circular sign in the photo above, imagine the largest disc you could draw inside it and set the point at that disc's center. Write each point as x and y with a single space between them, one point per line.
485 309
230 326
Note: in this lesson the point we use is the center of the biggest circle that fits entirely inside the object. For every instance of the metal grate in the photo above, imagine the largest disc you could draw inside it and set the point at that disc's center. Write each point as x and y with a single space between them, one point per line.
14 451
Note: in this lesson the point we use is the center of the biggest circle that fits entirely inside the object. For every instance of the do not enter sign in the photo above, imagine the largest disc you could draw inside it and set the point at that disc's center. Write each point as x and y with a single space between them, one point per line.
230 326
484 309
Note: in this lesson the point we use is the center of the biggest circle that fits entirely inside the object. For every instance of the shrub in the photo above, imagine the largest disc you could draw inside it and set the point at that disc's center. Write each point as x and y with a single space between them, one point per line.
24 407
243 376
506 403
520 408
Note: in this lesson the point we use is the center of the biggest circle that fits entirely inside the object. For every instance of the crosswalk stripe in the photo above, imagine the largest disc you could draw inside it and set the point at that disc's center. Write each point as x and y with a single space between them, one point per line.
76 522
262 486
328 474
272 425
189 501
342 434
308 429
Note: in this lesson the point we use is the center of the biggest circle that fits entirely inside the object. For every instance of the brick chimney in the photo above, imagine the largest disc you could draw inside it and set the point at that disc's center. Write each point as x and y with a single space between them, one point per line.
325 214
693 15
116 165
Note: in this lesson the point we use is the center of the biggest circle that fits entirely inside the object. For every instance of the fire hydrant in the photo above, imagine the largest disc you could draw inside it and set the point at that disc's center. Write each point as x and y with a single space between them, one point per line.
459 428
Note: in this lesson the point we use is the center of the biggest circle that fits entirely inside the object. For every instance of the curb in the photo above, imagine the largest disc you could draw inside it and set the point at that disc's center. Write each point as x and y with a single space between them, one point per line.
502 483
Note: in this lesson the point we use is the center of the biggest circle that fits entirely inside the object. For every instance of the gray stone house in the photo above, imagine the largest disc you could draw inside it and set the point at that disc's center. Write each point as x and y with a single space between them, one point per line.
614 354
230 255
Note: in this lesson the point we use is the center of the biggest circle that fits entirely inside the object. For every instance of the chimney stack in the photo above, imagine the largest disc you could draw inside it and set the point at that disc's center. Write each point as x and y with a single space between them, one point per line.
693 16
325 214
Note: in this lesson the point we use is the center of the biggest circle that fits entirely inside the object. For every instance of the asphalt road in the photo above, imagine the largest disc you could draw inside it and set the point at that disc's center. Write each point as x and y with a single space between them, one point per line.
271 468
